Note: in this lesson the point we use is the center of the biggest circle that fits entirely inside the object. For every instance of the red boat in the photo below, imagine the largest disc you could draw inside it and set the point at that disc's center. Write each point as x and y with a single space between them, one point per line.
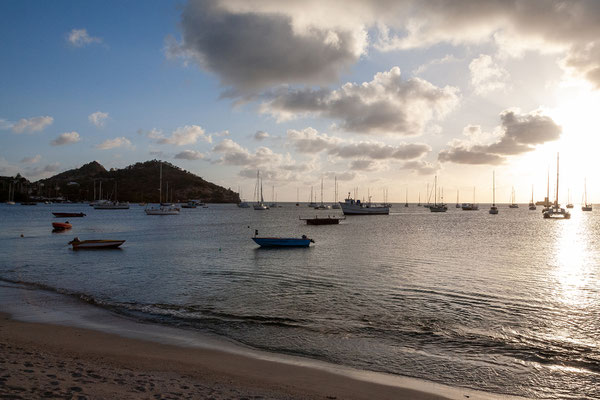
61 226
67 214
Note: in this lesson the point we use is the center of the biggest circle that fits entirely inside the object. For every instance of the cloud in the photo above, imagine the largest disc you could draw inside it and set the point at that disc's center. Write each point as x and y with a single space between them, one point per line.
421 167
364 165
234 154
486 75
261 135
31 160
447 59
387 104
310 141
273 166
80 38
190 155
66 138
518 134
341 176
152 134
182 136
34 124
254 44
251 47
113 143
98 118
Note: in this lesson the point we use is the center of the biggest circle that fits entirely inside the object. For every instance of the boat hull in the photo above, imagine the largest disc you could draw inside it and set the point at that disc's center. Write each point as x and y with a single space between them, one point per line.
359 209
96 244
61 226
162 211
112 206
322 221
281 242
71 215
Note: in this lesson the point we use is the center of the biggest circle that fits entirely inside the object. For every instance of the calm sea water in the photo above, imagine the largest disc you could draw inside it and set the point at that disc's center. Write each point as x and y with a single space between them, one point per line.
508 303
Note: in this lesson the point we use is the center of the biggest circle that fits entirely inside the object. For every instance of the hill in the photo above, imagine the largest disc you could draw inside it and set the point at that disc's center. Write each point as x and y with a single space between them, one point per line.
135 183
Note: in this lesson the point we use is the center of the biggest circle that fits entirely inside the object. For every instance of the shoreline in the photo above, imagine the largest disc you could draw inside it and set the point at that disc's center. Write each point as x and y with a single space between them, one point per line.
50 344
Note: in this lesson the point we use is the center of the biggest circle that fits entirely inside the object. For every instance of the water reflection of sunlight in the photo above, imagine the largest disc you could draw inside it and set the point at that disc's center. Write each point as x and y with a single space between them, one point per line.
572 260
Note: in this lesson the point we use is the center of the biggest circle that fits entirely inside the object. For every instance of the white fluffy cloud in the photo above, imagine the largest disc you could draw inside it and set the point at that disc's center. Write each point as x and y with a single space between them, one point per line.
387 104
113 143
182 136
81 38
98 118
31 160
310 141
261 135
518 134
487 75
34 124
66 138
190 155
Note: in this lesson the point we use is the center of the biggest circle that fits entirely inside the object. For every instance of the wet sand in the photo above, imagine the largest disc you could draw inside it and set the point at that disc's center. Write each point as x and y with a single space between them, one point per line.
39 360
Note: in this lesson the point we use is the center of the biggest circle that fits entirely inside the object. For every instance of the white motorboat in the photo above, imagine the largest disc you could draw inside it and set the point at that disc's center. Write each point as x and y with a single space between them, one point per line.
356 207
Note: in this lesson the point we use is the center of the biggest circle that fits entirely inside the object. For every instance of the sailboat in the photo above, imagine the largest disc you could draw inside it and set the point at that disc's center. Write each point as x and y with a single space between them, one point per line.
437 207
457 203
471 206
273 198
556 212
406 204
259 205
312 204
419 203
493 208
322 206
569 204
242 203
585 206
547 199
297 197
531 203
112 205
11 194
335 205
161 210
512 200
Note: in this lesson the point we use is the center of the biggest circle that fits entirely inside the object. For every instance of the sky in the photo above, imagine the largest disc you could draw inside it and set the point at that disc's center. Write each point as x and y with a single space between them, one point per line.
381 95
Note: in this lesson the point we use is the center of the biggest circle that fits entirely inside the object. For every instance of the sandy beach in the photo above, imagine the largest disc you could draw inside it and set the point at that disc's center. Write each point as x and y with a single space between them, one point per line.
49 361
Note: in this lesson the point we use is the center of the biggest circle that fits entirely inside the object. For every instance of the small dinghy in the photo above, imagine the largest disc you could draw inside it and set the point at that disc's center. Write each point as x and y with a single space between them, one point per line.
282 241
323 221
67 214
95 244
61 226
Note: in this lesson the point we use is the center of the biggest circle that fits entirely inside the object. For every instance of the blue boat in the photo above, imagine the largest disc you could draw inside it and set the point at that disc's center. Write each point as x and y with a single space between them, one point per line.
282 242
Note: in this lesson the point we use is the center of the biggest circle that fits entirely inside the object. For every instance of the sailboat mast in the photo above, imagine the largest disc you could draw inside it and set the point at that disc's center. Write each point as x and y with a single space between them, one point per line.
321 190
336 188
435 191
548 189
159 186
494 188
556 201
